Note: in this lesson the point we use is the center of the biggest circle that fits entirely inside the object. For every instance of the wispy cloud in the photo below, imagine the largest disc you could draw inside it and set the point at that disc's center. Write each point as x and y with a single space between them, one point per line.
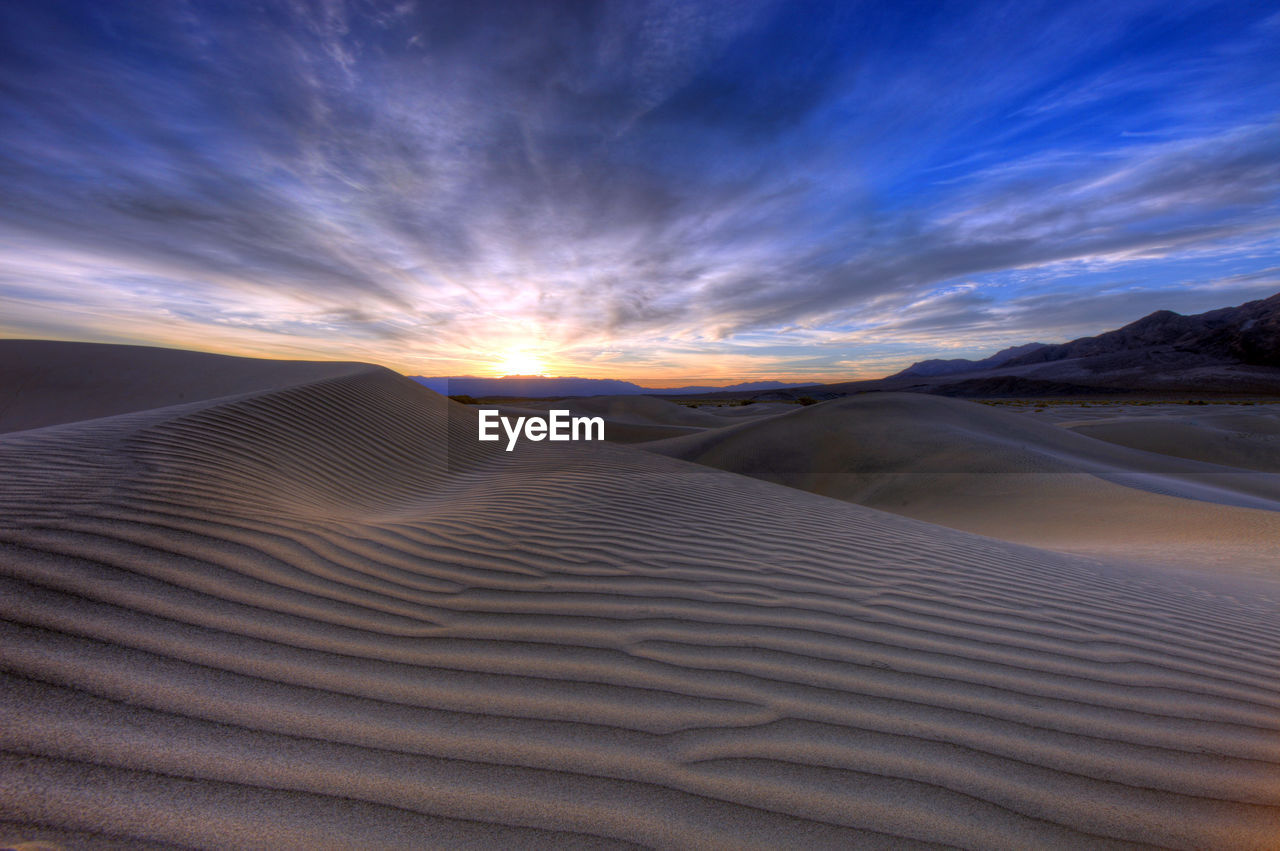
650 187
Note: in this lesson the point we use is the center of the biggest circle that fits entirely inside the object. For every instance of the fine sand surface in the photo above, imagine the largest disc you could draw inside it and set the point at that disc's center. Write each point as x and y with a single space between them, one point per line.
320 614
640 419
1244 437
44 383
1011 476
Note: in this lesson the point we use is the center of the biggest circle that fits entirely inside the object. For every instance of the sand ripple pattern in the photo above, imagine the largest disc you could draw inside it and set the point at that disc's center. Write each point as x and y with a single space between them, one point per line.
323 617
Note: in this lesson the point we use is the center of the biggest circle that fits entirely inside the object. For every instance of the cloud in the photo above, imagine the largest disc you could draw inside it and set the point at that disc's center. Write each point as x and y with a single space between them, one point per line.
668 181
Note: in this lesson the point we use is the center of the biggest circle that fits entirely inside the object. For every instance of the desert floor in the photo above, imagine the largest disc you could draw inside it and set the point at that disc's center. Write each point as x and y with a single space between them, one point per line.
281 605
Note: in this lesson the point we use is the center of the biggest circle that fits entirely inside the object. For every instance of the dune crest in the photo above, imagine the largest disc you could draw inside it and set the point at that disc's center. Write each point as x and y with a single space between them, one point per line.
45 383
322 615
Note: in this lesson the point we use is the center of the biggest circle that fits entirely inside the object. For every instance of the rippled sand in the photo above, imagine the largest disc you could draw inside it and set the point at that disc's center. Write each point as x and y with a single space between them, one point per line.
320 614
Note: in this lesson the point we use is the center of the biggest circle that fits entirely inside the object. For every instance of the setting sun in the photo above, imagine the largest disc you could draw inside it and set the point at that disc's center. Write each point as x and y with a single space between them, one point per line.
521 363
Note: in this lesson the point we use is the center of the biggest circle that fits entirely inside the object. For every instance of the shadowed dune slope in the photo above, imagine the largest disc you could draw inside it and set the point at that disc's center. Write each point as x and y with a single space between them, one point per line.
636 410
973 467
324 616
44 382
638 419
627 430
1246 438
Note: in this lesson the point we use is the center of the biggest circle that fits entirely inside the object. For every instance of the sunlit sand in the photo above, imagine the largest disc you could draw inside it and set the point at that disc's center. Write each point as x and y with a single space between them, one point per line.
301 606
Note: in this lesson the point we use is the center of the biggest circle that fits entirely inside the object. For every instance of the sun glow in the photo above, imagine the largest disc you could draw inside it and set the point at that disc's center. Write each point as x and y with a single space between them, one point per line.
521 363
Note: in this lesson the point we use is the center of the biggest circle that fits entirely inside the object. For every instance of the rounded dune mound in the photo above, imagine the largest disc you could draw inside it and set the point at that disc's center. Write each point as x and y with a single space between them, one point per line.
45 383
754 409
914 433
322 615
637 419
637 410
1250 441
973 467
372 441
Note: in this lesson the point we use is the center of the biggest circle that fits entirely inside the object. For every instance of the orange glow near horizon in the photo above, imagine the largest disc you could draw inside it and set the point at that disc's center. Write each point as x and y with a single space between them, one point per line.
521 363
707 370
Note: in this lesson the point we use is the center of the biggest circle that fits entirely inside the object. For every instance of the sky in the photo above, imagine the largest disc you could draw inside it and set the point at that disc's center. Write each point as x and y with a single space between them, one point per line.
653 191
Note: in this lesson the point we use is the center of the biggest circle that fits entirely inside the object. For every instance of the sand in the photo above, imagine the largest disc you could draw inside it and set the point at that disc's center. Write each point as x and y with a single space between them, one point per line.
641 419
1247 437
320 614
1015 477
44 383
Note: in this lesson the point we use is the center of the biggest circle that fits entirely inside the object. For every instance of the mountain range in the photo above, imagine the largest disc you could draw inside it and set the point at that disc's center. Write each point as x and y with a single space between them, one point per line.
534 387
930 368
1231 350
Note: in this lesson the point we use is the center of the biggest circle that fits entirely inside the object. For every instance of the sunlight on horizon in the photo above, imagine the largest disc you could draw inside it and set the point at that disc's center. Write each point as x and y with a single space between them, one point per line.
520 363
690 201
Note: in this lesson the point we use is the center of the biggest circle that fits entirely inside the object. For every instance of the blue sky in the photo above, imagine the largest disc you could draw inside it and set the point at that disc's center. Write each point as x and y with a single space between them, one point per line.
642 190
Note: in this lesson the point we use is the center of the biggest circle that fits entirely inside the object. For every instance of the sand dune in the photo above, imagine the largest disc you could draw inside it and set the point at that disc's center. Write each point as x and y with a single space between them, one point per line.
323 615
1248 438
639 419
971 467
644 410
44 383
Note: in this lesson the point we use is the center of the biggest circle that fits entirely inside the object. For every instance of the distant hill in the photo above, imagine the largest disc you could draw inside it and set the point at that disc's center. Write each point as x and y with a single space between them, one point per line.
744 386
1248 334
528 386
928 368
533 387
1231 350
1014 387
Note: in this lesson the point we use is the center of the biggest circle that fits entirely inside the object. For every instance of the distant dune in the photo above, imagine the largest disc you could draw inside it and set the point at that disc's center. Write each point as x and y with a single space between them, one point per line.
988 471
641 419
315 612
638 410
1247 439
